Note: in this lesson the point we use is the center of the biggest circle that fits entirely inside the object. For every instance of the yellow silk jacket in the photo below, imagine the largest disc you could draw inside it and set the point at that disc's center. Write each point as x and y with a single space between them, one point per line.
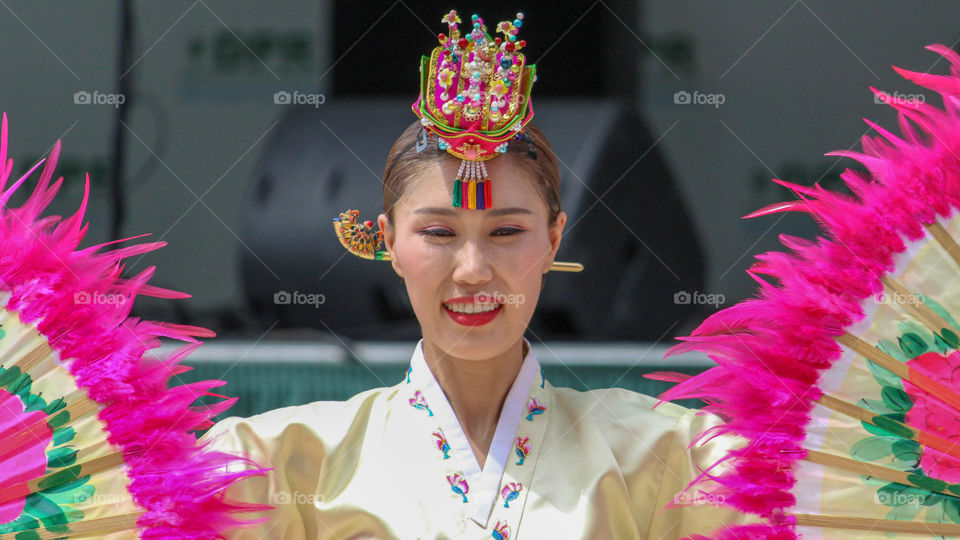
393 463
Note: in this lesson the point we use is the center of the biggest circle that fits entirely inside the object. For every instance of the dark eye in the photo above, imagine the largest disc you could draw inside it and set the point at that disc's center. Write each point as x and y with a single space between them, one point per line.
506 231
435 232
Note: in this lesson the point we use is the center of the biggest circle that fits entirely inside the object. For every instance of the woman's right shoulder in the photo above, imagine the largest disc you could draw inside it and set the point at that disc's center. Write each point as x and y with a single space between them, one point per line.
292 449
328 423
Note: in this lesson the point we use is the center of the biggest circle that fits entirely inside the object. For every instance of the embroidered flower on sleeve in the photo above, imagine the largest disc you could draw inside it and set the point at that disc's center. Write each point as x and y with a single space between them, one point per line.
523 448
510 492
442 443
534 407
459 485
501 531
420 402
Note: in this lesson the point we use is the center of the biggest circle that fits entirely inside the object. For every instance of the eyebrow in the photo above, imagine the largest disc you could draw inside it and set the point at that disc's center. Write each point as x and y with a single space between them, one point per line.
490 212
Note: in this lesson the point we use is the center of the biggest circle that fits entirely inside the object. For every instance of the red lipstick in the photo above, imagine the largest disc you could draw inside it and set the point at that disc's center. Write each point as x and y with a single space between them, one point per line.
470 319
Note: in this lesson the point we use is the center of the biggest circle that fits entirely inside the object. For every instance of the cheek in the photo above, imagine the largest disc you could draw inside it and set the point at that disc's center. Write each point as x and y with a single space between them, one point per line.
424 268
522 265
526 256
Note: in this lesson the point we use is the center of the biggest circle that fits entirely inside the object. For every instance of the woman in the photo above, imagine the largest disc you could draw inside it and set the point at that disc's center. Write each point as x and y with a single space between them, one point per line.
474 442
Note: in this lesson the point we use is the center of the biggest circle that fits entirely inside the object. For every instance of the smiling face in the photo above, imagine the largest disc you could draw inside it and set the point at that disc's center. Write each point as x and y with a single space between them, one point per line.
457 263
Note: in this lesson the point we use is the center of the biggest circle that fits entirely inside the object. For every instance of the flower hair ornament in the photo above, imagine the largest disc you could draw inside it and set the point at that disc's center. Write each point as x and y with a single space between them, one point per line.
475 98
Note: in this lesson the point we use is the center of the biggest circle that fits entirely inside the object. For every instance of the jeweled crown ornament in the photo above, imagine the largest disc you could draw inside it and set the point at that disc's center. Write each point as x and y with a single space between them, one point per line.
475 97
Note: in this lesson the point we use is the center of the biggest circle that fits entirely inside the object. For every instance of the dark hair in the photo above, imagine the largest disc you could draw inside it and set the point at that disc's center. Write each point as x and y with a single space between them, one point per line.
532 152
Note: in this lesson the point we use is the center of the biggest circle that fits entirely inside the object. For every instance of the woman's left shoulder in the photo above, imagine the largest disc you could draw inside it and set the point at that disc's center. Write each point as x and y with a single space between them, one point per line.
635 427
622 409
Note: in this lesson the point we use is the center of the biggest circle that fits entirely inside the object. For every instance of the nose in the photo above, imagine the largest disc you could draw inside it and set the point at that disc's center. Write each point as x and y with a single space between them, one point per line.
472 264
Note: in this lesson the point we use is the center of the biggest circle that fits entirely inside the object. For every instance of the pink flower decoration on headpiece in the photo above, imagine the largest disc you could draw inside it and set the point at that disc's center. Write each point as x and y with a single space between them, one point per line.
498 89
451 18
445 78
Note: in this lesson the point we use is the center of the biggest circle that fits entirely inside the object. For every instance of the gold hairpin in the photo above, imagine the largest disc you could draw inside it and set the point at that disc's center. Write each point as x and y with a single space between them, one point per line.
360 239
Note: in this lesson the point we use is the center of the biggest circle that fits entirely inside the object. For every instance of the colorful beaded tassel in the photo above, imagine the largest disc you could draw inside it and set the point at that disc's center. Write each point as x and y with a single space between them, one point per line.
472 188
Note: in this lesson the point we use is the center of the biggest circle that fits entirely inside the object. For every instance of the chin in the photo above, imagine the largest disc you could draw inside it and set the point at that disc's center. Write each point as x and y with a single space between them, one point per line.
473 345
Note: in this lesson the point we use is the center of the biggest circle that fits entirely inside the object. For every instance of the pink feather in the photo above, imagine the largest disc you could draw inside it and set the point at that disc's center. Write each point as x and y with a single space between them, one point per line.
179 487
771 349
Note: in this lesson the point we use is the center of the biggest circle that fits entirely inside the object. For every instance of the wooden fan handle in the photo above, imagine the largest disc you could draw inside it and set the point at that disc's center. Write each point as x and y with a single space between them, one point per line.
881 525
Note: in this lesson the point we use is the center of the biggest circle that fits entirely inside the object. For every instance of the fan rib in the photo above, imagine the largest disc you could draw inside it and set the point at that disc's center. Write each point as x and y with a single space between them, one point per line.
932 387
90 528
946 241
917 309
880 525
868 469
918 435
11 440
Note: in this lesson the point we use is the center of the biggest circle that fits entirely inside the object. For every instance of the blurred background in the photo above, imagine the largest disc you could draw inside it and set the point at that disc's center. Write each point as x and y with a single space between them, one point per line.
235 131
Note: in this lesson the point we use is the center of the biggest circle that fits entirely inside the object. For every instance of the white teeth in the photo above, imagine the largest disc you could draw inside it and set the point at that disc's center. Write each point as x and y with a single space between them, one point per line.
471 308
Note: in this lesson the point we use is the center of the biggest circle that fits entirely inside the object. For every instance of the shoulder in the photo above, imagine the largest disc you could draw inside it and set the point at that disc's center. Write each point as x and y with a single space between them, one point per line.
296 447
636 428
323 423
620 412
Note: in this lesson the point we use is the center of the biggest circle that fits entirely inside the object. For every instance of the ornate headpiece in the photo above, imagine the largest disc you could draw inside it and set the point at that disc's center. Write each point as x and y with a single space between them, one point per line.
475 97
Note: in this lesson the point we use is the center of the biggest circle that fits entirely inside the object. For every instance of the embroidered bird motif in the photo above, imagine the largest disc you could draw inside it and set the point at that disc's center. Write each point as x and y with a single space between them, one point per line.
459 485
534 407
420 402
510 492
523 448
442 443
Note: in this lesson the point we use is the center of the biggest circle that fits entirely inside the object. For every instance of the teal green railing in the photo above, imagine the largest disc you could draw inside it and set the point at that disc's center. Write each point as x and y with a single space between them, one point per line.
262 386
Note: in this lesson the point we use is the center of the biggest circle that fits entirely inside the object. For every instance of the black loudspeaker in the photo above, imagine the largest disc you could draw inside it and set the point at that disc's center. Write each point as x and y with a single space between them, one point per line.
626 223
581 47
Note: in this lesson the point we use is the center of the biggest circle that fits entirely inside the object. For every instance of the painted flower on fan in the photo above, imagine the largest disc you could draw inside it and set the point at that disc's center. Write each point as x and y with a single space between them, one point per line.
932 415
451 18
442 443
510 492
420 402
501 531
534 407
45 452
522 448
459 485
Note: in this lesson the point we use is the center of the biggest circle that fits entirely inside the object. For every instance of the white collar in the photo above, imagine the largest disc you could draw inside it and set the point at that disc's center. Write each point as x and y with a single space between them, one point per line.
484 484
